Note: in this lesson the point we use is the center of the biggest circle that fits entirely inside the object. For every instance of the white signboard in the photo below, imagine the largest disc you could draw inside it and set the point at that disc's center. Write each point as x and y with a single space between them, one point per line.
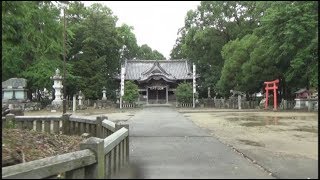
122 81
194 78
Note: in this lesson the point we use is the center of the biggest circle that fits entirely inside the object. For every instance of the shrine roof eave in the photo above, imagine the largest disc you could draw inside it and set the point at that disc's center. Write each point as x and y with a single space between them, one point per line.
156 77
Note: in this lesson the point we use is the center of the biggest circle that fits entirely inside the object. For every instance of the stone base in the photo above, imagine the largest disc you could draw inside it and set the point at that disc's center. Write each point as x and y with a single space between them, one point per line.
55 106
100 104
81 107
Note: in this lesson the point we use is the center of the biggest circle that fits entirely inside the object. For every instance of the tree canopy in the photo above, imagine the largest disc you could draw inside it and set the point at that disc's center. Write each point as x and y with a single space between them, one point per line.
32 45
240 44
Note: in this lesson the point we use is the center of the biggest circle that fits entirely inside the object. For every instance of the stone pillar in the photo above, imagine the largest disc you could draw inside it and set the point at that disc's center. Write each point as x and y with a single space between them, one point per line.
74 103
310 105
284 104
80 98
104 93
239 101
57 79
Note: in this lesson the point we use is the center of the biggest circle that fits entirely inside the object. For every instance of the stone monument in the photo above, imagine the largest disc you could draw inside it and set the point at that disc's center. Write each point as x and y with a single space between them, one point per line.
57 86
14 95
14 89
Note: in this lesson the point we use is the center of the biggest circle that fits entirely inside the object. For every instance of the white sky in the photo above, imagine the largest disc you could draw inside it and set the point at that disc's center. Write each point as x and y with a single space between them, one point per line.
155 23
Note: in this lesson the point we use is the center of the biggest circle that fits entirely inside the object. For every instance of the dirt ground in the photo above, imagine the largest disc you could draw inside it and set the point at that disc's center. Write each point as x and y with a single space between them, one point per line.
24 145
290 133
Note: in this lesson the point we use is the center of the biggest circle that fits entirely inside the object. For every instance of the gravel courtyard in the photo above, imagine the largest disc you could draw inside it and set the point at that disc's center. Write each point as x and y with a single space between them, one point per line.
285 143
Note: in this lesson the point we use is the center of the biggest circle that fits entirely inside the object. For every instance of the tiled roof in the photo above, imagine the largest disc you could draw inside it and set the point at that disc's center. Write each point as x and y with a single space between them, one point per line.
301 91
172 69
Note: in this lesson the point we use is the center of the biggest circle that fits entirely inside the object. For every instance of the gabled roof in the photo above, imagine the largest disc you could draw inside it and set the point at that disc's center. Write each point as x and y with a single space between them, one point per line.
14 83
301 91
171 70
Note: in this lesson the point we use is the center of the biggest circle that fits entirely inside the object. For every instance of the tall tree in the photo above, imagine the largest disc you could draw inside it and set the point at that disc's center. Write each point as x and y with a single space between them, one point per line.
146 52
32 43
130 47
100 46
208 29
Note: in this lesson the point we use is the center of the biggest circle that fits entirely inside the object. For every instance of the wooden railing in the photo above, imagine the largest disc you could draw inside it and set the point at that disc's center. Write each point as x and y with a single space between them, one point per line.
100 157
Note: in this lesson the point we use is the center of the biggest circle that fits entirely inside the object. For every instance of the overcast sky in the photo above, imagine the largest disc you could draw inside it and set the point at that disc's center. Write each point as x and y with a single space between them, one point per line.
155 23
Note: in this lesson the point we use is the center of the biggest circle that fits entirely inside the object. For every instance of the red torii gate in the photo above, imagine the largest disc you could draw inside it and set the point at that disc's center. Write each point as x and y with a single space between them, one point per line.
271 85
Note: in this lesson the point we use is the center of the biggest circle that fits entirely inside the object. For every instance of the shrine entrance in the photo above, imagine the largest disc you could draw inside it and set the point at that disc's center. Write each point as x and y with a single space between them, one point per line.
157 95
157 92
271 86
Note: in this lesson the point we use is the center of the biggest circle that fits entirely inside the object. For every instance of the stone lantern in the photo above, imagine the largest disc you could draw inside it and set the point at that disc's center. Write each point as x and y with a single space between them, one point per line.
80 98
104 93
57 86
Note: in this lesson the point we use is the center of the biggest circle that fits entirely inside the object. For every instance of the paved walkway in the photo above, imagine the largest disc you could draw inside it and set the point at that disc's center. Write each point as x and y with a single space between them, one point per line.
164 144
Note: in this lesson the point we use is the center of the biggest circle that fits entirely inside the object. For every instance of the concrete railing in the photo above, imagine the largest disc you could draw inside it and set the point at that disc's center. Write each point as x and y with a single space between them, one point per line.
100 157
49 124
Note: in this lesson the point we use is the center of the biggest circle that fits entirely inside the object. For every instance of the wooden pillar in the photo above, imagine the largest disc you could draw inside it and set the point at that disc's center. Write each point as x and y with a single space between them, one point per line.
147 95
274 97
157 96
167 93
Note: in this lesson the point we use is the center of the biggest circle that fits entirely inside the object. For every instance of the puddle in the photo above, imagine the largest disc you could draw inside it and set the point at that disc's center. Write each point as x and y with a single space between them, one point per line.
252 143
250 121
307 129
253 118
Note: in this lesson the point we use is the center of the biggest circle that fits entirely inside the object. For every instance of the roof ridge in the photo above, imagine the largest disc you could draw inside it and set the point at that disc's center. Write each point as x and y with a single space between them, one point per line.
144 60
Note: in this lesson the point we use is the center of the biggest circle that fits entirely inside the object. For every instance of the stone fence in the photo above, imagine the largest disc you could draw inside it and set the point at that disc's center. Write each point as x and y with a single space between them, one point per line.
182 105
100 157
129 105
231 103
101 104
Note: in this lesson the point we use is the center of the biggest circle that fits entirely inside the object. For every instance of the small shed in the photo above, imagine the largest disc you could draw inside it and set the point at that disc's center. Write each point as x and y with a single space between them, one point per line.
302 93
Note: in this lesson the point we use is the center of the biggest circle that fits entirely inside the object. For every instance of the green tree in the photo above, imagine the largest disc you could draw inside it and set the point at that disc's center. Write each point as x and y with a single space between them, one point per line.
208 29
145 52
131 92
235 54
32 42
290 32
184 93
100 44
129 42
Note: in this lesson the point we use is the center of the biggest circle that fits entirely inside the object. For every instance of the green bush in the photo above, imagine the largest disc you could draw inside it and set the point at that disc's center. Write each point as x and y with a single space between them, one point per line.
184 93
131 92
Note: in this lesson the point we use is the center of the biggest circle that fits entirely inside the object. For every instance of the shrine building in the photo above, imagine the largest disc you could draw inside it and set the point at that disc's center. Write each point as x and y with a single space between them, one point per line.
157 79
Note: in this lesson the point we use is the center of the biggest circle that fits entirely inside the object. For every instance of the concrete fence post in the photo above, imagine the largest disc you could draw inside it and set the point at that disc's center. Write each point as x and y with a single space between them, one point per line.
310 105
99 132
10 121
96 170
66 124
